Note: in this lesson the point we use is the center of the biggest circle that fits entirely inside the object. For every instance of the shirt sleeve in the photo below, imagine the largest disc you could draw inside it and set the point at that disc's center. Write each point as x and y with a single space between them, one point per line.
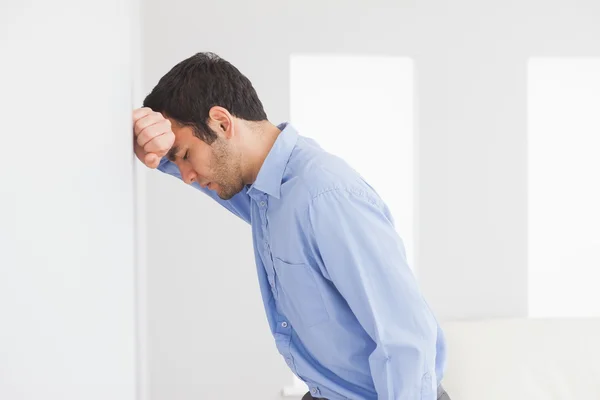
360 251
238 204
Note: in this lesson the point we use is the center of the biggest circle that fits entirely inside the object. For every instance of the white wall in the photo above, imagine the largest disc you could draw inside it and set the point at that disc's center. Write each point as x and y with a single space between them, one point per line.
208 334
563 164
67 325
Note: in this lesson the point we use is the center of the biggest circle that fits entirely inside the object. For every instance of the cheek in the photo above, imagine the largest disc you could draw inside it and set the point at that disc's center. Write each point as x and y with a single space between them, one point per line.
204 164
199 166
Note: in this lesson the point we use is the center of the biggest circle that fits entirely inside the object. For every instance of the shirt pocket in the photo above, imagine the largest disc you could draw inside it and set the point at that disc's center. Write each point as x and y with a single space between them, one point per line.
301 296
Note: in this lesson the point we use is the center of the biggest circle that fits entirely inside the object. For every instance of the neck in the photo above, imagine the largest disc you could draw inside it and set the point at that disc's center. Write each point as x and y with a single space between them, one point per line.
261 137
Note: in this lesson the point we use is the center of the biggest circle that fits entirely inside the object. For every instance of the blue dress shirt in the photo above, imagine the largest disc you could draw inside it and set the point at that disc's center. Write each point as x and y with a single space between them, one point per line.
341 301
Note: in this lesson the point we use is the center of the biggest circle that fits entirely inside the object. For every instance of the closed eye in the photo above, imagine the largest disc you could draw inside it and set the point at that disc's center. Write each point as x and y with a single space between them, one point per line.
185 156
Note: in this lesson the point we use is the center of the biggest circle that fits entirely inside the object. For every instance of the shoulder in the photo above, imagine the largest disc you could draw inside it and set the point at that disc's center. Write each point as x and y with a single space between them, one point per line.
315 175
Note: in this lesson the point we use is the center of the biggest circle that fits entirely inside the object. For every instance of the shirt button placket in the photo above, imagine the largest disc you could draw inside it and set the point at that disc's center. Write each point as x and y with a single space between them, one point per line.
267 251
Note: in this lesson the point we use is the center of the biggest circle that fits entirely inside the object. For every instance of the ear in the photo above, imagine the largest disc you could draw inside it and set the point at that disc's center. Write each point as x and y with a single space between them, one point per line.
221 121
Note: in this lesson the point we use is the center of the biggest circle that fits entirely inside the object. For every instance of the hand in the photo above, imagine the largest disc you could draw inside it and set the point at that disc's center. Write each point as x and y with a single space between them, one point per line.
152 136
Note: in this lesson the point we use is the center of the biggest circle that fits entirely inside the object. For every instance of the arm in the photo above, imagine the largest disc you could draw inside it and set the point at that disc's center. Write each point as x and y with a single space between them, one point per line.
153 138
365 259
238 205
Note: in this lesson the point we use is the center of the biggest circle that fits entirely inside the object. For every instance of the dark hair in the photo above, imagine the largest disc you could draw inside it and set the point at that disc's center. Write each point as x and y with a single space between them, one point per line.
192 87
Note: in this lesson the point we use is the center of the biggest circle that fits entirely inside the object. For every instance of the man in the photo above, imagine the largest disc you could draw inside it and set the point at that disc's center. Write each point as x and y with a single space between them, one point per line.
342 304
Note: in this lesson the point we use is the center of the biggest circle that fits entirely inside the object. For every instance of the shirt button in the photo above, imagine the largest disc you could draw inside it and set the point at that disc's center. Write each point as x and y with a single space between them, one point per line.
314 390
262 203
284 324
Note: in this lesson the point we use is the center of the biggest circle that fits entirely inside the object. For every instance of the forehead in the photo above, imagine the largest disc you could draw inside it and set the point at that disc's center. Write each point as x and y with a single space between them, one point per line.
184 140
181 131
184 135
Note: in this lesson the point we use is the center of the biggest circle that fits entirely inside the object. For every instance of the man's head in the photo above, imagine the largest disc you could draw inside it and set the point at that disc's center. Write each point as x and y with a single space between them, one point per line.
212 106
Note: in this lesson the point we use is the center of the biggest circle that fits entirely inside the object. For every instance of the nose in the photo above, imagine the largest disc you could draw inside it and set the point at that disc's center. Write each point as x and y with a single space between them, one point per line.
188 175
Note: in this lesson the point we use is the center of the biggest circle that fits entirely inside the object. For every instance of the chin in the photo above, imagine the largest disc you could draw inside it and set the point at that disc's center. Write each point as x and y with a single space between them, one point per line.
227 194
223 195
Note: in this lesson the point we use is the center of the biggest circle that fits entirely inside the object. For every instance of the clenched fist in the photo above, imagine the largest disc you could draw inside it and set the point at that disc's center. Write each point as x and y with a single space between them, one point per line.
152 136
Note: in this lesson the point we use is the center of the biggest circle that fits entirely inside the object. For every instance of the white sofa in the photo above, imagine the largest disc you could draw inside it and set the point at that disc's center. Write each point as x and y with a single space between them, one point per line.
523 359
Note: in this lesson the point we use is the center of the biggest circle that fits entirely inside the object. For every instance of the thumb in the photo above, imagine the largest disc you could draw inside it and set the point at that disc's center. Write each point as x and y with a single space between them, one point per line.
151 160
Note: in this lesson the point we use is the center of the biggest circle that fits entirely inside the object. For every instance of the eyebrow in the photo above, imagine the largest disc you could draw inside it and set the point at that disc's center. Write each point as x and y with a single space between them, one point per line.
172 154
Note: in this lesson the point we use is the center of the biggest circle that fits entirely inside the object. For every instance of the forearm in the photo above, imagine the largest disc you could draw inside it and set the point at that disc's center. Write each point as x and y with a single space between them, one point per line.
238 205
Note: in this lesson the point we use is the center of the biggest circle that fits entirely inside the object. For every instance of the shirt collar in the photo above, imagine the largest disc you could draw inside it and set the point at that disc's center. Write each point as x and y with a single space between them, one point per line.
271 172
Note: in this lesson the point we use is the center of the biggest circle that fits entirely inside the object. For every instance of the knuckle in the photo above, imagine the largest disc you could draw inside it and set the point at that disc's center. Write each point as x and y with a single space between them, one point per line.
143 135
154 144
148 138
167 145
161 143
141 112
150 147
